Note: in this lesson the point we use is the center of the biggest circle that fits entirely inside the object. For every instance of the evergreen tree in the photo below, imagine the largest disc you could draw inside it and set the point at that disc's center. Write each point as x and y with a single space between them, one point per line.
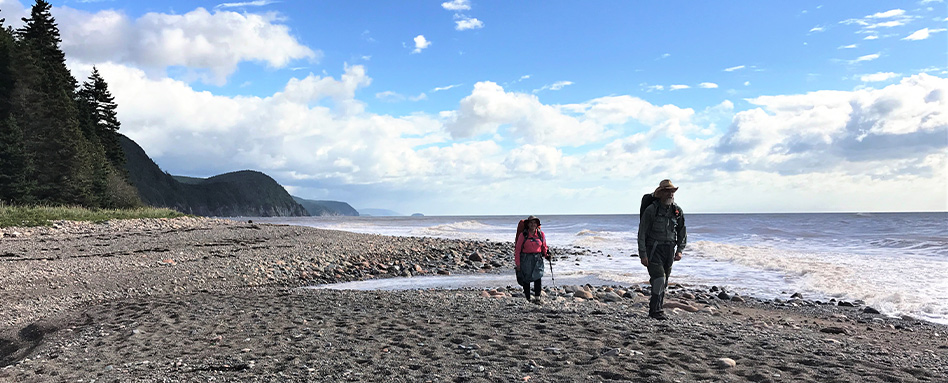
102 119
15 170
45 107
16 186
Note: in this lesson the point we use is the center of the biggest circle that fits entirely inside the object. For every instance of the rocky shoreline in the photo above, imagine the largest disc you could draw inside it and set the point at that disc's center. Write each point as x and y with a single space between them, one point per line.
194 299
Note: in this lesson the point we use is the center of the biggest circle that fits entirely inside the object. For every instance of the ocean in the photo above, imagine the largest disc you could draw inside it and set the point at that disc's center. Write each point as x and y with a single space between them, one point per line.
894 262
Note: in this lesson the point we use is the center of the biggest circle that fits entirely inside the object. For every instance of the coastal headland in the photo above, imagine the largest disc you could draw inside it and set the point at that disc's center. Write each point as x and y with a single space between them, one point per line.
195 299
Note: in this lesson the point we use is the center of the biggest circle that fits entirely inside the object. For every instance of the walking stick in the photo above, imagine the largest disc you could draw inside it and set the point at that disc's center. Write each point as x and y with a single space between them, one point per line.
550 260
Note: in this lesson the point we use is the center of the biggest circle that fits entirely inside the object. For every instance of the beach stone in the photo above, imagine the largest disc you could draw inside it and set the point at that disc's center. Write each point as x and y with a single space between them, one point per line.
611 297
583 294
845 304
870 310
680 306
737 298
476 256
796 296
725 363
835 330
724 296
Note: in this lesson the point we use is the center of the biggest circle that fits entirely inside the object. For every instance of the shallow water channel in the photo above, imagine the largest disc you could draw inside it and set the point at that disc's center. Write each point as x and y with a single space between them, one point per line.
468 281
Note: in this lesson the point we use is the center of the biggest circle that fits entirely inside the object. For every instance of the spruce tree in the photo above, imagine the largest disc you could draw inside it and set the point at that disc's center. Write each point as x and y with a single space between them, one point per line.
15 170
100 108
16 184
45 108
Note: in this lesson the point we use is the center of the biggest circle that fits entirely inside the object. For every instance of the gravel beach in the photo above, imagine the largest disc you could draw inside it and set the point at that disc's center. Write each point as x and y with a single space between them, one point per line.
196 300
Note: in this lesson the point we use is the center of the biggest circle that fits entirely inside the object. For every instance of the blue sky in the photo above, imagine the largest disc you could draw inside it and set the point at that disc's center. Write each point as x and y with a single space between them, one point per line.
499 107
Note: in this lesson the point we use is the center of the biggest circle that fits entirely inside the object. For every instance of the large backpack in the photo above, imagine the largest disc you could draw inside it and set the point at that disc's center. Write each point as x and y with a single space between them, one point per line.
522 229
647 199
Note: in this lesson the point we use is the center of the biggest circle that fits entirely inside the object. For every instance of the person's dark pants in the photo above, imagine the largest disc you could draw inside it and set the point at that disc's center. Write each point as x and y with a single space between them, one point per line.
660 260
537 288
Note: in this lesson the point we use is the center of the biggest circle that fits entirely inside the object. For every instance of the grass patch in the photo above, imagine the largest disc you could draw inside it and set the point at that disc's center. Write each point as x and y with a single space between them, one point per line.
45 215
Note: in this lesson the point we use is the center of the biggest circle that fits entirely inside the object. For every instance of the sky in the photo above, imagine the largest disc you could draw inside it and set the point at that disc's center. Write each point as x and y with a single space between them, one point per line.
472 107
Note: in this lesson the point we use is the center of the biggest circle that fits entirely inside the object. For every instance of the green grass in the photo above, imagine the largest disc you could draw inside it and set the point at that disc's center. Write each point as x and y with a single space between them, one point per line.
44 215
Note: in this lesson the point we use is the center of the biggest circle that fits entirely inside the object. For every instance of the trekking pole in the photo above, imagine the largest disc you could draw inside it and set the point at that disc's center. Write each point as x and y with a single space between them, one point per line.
552 276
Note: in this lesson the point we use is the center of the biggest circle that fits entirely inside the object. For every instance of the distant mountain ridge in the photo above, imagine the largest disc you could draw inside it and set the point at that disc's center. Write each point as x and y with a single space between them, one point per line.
243 193
326 208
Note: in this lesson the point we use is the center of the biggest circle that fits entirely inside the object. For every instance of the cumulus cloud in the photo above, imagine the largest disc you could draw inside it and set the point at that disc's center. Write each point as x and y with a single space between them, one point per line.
457 5
708 85
888 132
209 44
922 34
420 43
878 77
466 23
678 87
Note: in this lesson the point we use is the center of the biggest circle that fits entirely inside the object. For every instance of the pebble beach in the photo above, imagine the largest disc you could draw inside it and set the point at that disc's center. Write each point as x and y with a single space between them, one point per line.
196 299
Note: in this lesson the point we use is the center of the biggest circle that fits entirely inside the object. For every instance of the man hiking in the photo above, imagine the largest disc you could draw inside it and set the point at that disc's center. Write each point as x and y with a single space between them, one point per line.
662 239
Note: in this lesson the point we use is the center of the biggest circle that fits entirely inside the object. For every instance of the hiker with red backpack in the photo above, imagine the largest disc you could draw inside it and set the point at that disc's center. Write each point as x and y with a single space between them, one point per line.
529 252
662 239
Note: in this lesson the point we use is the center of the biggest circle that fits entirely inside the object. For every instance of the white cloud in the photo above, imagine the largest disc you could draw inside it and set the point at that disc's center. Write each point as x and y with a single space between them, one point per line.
850 46
922 34
867 57
708 85
389 96
489 108
468 23
886 132
315 137
817 29
651 88
457 5
420 43
887 24
734 68
678 87
871 37
747 83
554 86
887 14
258 3
440 88
211 45
878 77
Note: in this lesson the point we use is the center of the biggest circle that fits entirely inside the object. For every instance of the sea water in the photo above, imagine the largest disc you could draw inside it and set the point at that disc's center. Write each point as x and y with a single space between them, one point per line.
895 262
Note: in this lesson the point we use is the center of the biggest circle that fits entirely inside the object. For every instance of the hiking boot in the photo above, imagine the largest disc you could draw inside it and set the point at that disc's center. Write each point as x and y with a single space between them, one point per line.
658 316
538 300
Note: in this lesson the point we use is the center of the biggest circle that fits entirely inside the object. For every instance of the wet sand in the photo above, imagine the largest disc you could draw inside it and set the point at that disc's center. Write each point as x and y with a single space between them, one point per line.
211 300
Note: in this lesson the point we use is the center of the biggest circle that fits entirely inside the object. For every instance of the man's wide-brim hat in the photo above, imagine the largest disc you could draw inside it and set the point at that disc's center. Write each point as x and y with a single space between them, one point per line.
532 218
665 185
